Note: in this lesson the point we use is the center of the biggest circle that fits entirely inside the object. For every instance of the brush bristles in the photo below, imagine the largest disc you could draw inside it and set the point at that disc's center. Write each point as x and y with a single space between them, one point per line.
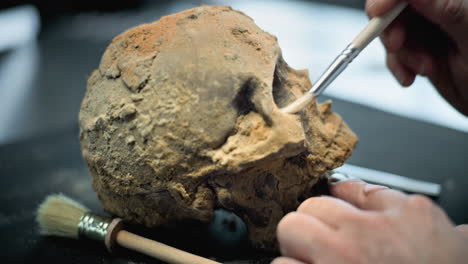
59 215
299 104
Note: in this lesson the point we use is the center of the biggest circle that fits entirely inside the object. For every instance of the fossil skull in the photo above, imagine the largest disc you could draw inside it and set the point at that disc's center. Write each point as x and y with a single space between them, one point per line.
182 117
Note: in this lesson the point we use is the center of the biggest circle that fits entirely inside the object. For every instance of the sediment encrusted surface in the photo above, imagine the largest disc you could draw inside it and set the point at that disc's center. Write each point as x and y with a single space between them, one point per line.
182 117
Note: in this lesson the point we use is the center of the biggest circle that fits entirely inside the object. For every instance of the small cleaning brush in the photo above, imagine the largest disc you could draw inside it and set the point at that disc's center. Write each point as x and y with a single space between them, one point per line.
372 30
61 216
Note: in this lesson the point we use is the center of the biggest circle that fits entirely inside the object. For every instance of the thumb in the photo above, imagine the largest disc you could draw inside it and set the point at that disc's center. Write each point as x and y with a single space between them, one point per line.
450 15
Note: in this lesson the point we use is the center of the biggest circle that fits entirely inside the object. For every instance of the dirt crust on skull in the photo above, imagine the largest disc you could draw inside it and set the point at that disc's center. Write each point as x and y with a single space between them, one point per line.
182 117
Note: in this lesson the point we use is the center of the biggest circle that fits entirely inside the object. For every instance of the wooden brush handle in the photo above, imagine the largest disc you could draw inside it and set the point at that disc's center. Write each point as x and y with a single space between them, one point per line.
159 250
376 26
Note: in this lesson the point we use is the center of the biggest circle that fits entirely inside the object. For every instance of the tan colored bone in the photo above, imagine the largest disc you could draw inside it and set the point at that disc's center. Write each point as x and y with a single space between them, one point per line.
182 117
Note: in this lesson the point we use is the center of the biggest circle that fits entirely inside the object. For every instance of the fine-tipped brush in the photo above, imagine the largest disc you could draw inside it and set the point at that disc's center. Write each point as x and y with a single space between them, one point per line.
61 216
372 30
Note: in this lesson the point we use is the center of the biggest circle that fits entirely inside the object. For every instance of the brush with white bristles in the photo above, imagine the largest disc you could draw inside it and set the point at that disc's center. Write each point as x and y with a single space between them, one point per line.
61 216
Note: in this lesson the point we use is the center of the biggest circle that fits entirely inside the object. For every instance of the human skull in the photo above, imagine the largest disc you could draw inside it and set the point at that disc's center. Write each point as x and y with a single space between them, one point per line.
182 117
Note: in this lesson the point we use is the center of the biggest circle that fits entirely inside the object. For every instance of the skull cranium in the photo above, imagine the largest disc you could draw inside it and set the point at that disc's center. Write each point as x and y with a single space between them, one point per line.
182 117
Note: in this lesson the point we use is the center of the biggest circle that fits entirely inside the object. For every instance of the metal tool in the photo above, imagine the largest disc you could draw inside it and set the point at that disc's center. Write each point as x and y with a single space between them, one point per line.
373 29
387 179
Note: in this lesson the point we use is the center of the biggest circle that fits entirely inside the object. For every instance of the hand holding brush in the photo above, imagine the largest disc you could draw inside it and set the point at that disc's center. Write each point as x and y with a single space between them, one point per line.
61 216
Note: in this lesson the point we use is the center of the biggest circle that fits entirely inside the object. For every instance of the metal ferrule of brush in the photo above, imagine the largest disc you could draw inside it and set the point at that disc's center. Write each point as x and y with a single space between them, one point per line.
335 68
93 226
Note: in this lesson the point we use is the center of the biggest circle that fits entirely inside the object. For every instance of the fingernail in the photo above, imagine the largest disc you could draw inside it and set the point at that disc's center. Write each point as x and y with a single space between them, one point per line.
337 177
370 188
370 4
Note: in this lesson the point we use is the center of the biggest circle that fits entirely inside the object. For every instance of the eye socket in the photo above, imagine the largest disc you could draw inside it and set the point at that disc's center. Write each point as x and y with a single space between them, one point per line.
282 96
243 102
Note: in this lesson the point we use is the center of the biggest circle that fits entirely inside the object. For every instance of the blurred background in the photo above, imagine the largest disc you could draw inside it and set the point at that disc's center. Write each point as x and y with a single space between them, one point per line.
48 48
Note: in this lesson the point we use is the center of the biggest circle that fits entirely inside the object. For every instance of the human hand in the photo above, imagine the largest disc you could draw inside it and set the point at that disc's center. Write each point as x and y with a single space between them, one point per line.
429 38
372 224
